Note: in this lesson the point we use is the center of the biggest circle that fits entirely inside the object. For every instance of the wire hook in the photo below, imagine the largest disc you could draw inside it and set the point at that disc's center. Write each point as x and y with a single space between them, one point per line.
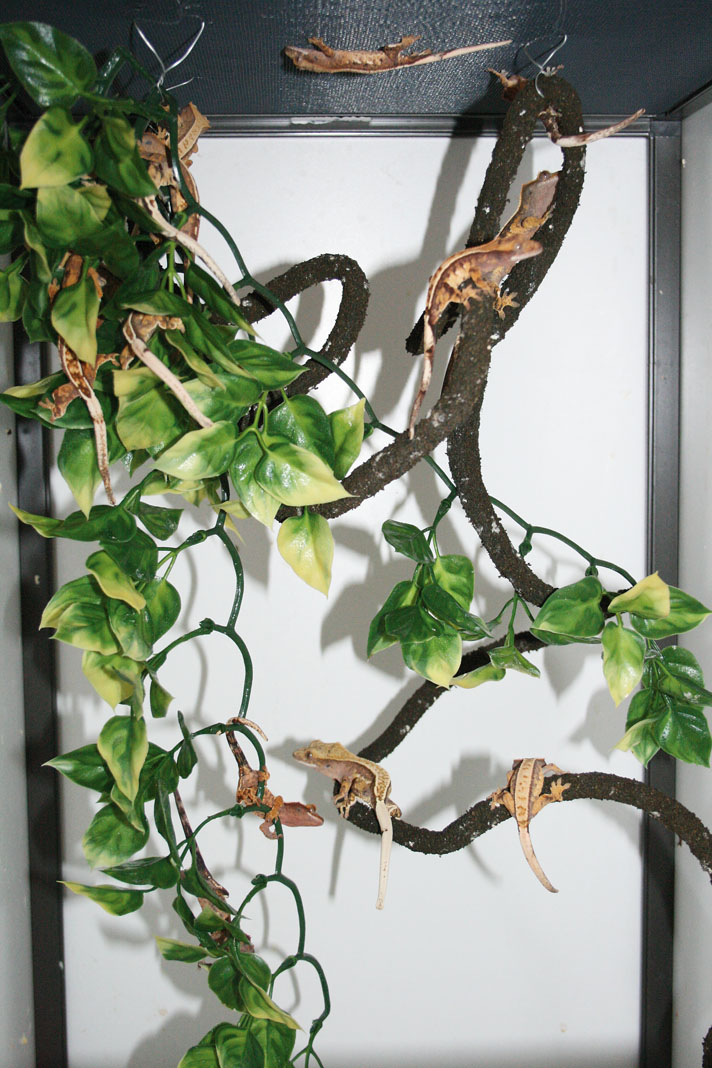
176 62
544 69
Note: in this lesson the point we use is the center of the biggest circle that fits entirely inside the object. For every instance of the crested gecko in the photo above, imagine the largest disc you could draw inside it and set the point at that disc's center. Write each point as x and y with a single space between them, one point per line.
359 780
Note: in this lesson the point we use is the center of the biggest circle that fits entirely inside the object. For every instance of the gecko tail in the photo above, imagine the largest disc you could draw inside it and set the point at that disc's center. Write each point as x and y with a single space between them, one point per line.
385 823
532 861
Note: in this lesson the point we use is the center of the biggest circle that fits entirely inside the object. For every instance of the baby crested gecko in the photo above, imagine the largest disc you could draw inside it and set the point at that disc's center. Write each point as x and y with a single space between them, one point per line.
359 780
522 797
472 273
323 59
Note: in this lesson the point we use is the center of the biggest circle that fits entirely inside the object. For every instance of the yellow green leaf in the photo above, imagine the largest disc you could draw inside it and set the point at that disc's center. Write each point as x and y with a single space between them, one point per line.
55 153
123 743
113 581
623 652
74 314
295 476
113 677
306 543
111 898
649 598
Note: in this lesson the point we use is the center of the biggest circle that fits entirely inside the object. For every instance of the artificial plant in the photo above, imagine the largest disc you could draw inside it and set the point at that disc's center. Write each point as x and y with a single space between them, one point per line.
161 372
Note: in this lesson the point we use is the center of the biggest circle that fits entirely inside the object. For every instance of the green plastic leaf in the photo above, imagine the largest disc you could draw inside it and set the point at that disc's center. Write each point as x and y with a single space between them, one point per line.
52 67
159 699
35 313
85 767
201 453
412 624
684 733
200 1057
137 556
103 522
149 416
114 677
158 521
682 677
347 426
123 743
259 1004
86 626
685 613
77 591
444 607
236 1048
117 161
195 361
272 369
295 476
436 659
65 214
403 593
162 606
131 628
623 653
649 598
216 298
509 658
408 540
13 289
644 711
110 838
303 421
257 501
74 314
230 400
572 613
171 949
113 580
276 1040
111 898
486 673
77 464
157 872
54 153
254 968
456 575
306 543
223 980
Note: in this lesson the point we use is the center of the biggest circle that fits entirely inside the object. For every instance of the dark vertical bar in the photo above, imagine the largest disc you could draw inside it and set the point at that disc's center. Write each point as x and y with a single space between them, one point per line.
36 587
663 507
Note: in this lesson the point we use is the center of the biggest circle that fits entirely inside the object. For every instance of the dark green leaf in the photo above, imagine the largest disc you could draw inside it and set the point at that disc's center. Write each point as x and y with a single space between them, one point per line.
52 67
509 658
303 421
572 613
408 540
85 767
685 613
443 606
117 161
277 1042
410 623
272 369
214 296
162 605
158 872
237 1048
13 289
684 733
223 981
403 593
110 838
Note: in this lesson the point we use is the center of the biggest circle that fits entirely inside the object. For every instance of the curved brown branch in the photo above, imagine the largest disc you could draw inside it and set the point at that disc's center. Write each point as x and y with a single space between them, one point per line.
349 318
463 444
427 694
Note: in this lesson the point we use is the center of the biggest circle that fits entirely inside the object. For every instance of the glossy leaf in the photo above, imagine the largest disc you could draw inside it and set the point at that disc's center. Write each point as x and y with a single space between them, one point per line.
412 624
649 598
137 556
160 522
306 543
295 476
256 500
403 593
200 1057
509 658
103 522
54 153
259 1004
162 605
223 980
216 298
623 653
131 628
123 743
111 898
201 453
443 606
272 369
347 427
110 838
86 626
117 161
194 360
74 314
52 67
254 968
408 540
78 466
171 949
236 1048
277 1042
572 613
65 214
230 400
113 580
114 677
148 415
303 421
13 289
486 673
436 659
685 614
684 733
681 676
645 709
85 767
456 575
158 872
159 699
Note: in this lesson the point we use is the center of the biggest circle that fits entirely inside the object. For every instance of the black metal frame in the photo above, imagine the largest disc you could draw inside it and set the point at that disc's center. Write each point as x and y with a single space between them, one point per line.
663 464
